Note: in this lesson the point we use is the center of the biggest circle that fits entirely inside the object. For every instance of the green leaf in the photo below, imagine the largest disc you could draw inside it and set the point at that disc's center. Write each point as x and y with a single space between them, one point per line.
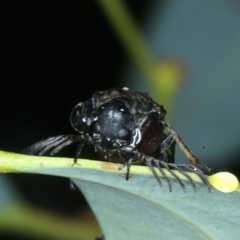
139 208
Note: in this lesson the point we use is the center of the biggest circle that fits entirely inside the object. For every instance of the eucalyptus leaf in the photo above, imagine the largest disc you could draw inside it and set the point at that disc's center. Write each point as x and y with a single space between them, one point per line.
139 208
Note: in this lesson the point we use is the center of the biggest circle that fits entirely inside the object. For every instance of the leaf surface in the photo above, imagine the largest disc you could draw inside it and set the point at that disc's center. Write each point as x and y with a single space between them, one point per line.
139 208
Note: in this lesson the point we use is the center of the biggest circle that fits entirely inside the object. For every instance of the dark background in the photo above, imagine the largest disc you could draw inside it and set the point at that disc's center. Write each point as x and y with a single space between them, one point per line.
54 54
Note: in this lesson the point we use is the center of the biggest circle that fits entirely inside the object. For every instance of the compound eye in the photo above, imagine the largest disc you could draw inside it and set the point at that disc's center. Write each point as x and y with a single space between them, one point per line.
77 119
96 128
125 134
81 116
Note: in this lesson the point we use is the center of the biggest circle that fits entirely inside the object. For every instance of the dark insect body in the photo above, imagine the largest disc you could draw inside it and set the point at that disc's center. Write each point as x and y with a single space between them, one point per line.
127 127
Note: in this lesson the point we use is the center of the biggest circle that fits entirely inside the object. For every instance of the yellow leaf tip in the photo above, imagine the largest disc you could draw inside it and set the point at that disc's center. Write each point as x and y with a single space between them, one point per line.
224 182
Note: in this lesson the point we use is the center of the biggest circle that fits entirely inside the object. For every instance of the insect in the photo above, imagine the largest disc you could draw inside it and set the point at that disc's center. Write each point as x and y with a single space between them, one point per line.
127 127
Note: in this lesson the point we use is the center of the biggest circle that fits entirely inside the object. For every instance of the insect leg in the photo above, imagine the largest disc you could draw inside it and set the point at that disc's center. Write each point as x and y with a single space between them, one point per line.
179 167
71 139
127 163
55 144
192 168
166 165
128 172
148 161
166 142
156 161
185 175
190 156
78 151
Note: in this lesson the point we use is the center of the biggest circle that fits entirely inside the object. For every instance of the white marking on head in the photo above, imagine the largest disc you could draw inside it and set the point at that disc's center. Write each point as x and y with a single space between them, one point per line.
136 138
